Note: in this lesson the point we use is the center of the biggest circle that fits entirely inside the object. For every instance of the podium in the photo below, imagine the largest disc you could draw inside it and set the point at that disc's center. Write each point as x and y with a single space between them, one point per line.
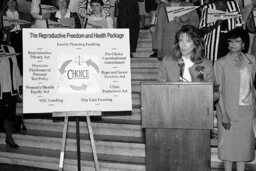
177 117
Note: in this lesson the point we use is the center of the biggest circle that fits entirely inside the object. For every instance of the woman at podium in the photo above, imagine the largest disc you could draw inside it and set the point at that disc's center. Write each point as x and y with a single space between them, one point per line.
187 62
235 73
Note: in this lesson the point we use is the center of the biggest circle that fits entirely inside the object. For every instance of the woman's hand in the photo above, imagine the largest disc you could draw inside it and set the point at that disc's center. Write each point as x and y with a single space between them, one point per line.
218 22
177 20
152 28
46 16
226 122
160 54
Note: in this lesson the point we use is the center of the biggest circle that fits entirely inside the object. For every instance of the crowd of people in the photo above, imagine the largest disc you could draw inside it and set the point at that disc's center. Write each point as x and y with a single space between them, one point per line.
131 14
191 50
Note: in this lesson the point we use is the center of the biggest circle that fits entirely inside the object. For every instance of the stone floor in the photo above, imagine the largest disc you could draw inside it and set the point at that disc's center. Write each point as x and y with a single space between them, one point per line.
8 167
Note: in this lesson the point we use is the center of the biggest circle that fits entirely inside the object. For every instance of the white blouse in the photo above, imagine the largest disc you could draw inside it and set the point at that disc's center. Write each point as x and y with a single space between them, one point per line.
58 14
13 15
39 22
101 21
188 63
245 95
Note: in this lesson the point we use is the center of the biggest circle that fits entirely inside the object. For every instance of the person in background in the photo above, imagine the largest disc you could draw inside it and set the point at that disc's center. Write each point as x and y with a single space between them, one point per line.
37 15
63 12
128 17
251 28
142 14
215 32
166 30
85 9
73 6
235 74
11 11
253 50
10 88
152 7
113 11
96 19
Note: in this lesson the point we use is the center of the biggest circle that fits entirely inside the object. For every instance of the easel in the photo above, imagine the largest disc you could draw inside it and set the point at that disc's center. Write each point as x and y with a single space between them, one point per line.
64 135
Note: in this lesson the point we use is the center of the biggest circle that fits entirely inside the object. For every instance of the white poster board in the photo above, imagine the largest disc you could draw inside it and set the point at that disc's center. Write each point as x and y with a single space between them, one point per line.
178 11
7 21
214 15
62 23
76 70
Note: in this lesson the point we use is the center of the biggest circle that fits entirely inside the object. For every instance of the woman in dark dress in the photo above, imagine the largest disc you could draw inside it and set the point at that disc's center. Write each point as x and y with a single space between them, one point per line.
128 17
10 88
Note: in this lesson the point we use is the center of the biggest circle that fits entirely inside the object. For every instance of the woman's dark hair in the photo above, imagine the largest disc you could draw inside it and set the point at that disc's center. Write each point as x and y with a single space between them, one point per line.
56 3
97 1
5 7
243 34
195 35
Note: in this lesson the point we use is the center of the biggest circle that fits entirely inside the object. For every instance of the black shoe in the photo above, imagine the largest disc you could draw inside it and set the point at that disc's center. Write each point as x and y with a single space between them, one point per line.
153 55
12 144
160 58
131 55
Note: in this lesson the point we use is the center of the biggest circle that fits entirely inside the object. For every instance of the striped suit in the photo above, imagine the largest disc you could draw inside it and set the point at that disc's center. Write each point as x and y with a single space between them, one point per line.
212 39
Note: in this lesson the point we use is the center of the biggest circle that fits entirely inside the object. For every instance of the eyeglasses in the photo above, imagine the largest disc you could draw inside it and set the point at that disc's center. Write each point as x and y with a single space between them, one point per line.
235 41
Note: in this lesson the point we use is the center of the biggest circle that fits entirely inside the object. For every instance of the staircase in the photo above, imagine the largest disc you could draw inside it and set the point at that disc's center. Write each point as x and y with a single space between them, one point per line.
120 140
